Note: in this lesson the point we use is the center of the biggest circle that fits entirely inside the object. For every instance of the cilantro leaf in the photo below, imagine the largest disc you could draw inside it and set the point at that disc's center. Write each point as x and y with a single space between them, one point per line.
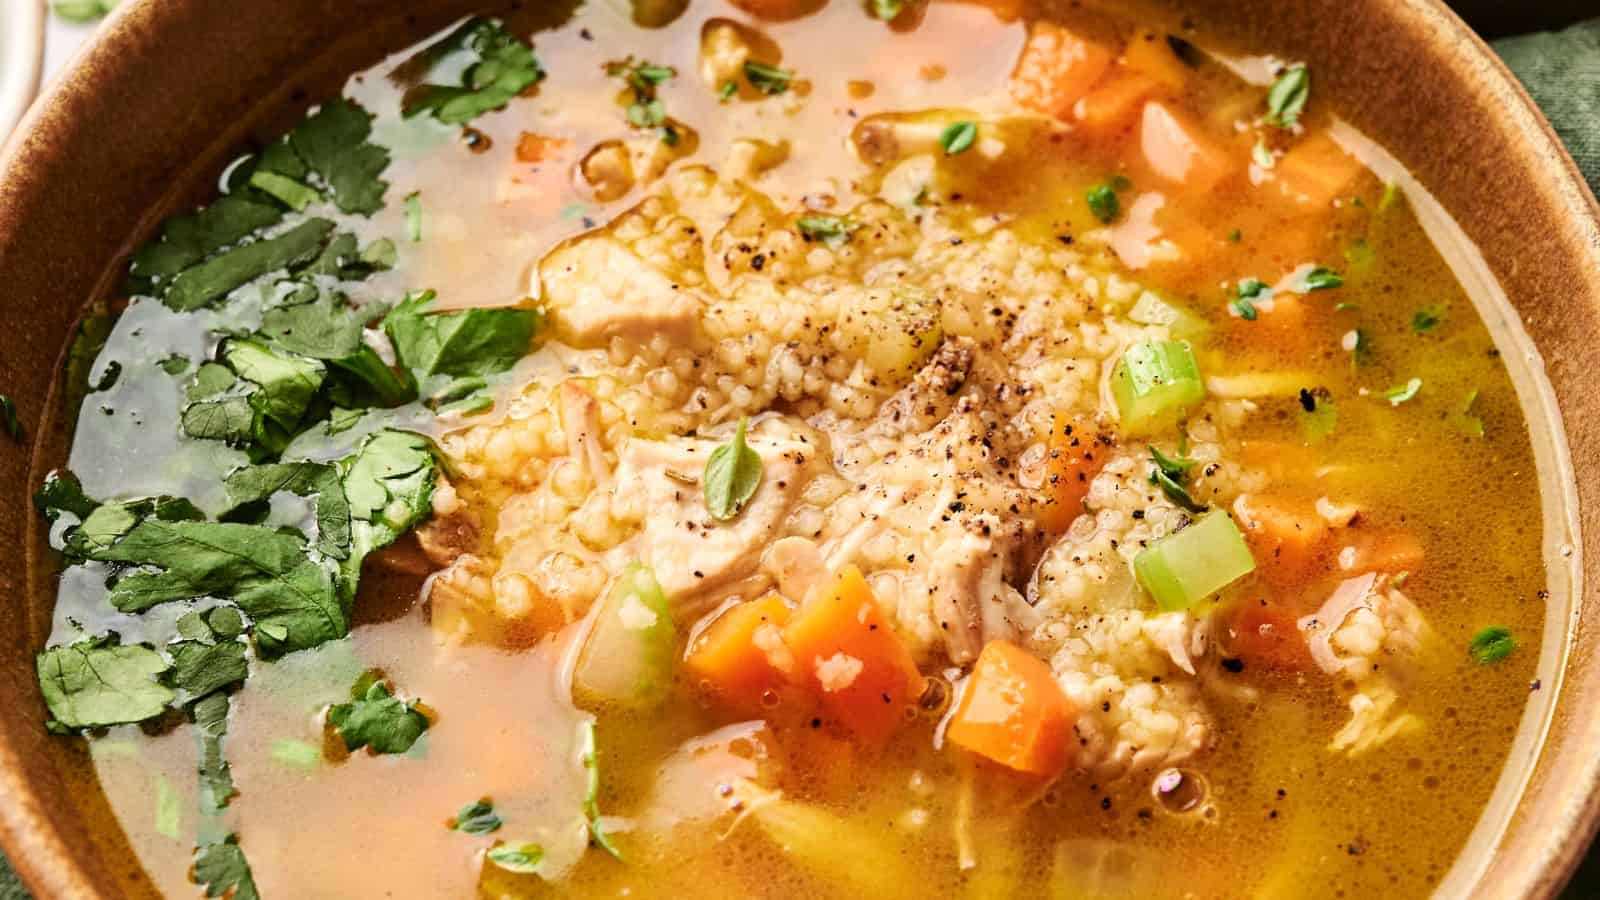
325 329
389 483
831 231
200 667
523 859
286 384
958 137
216 776
376 719
256 485
205 283
61 492
1491 645
1322 278
494 67
1286 100
188 240
1171 474
732 474
766 78
333 143
98 681
222 868
478 342
478 818
1427 318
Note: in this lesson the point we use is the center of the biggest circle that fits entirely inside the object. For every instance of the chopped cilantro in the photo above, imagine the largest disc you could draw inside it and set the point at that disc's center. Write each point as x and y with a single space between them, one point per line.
486 66
591 794
958 137
254 486
389 485
1322 278
1103 202
9 422
461 342
292 193
1286 99
200 666
522 859
1252 289
414 217
1235 236
188 240
829 230
768 79
216 776
1491 645
727 91
209 281
99 681
1262 156
1243 307
1171 474
1427 319
477 818
82 12
377 719
222 868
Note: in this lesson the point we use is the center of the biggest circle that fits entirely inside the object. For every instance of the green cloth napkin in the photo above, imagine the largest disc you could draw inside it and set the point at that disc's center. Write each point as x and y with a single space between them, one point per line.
1561 69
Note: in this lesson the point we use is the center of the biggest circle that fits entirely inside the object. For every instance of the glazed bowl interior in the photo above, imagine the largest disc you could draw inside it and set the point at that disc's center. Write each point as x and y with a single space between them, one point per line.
174 89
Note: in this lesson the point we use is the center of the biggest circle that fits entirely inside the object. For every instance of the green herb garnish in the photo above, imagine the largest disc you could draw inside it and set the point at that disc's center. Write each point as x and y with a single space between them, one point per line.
1286 99
1427 318
478 818
727 91
82 12
591 793
829 230
1322 278
1491 645
1171 474
99 681
1243 307
377 719
1261 156
958 137
1319 415
465 342
523 859
731 477
768 79
223 870
1103 202
486 67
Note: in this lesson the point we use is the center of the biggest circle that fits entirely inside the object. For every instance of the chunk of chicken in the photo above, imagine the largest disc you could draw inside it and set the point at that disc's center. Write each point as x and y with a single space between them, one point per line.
596 288
658 483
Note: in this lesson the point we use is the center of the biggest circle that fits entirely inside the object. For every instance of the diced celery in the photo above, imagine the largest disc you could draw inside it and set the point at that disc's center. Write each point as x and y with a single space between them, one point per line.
1156 384
628 657
864 860
1188 566
1153 309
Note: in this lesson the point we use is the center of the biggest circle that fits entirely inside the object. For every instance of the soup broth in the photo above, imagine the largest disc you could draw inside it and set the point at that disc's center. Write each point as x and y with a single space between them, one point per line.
799 449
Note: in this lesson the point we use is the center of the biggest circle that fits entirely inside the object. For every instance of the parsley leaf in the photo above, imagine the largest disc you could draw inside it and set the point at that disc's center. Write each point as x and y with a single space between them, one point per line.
1491 645
1103 202
1171 474
591 792
478 342
523 859
958 137
224 871
829 230
493 67
1322 278
216 776
1286 99
333 144
731 476
414 217
389 484
376 719
207 282
9 423
255 485
98 681
768 79
478 818
61 492
1427 319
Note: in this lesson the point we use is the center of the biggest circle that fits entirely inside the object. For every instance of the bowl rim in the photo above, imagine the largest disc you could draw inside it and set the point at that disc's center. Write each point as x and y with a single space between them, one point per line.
37 855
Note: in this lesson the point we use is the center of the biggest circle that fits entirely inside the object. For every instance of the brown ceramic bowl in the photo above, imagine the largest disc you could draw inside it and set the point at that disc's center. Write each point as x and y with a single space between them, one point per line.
171 88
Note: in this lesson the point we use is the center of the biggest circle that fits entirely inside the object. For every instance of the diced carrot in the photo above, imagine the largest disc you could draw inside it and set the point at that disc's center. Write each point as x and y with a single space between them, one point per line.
1315 171
1288 539
846 652
740 659
1390 552
1177 150
1264 635
1150 54
1072 458
1014 712
1056 68
538 148
1115 102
